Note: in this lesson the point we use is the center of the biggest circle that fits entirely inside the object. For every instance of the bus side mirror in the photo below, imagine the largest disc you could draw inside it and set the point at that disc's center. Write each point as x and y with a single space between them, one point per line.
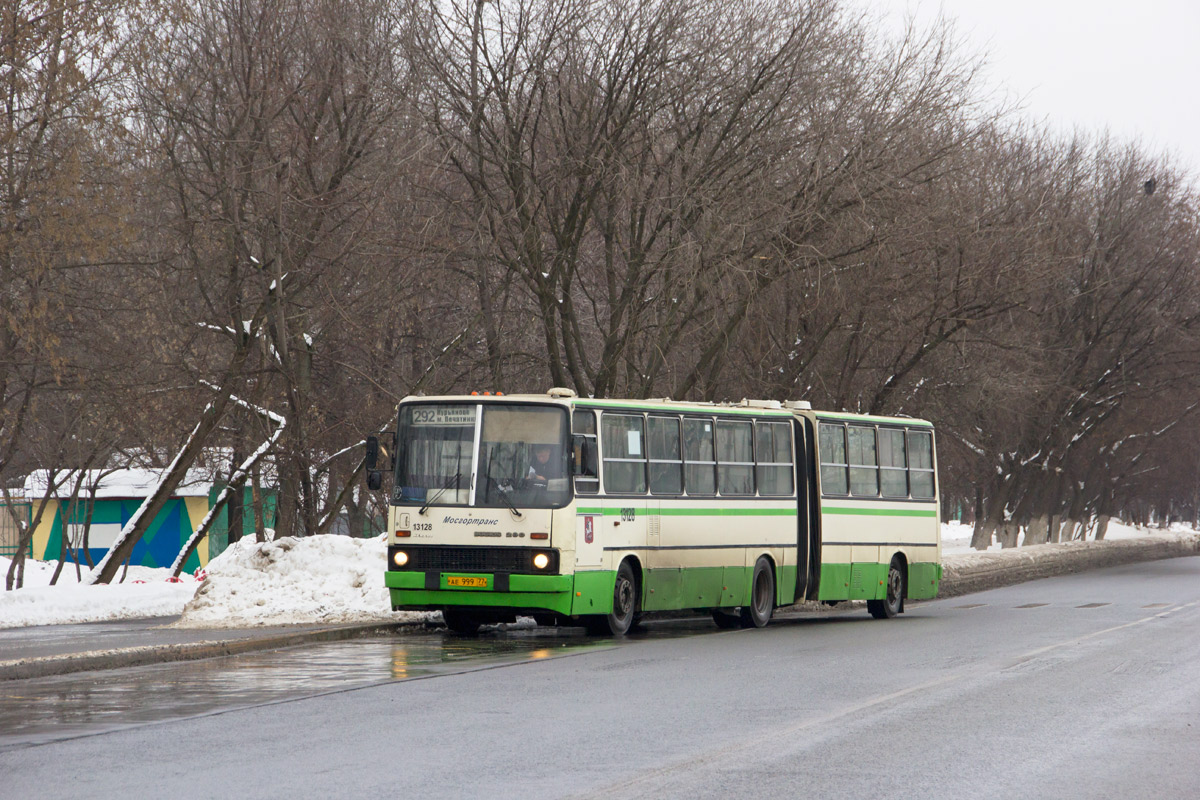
583 451
370 461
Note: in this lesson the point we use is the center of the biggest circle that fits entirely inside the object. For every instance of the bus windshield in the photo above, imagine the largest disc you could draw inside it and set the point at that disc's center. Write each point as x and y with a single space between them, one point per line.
514 456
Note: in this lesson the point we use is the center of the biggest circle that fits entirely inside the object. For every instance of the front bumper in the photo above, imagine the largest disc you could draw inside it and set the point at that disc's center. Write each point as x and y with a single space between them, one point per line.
417 590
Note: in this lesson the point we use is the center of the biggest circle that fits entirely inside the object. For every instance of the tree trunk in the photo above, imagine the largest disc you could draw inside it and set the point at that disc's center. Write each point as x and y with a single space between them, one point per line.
87 531
286 500
15 578
1039 529
234 488
139 523
236 502
68 521
994 516
260 529
1010 534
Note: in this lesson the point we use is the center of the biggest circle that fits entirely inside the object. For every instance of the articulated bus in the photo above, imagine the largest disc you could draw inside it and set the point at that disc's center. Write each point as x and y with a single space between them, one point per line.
584 511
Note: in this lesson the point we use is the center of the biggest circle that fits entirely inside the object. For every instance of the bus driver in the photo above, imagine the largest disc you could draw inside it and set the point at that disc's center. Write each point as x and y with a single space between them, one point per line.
545 466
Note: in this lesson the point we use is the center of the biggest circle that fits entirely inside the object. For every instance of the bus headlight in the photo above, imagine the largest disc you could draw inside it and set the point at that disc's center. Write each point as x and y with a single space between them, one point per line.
400 558
541 560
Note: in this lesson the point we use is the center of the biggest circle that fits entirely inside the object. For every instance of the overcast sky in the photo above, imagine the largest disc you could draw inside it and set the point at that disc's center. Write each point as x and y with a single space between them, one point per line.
1131 66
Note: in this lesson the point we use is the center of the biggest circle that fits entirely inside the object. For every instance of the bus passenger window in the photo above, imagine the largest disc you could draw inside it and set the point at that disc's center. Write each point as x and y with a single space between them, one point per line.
735 458
864 468
773 458
700 455
833 458
893 473
666 464
624 454
920 464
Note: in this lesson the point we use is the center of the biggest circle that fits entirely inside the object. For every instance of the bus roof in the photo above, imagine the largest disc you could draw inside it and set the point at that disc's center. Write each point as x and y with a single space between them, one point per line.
758 408
882 420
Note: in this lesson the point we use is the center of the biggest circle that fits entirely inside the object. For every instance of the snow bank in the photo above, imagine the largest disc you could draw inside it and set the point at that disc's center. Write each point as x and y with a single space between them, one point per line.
145 593
974 571
317 579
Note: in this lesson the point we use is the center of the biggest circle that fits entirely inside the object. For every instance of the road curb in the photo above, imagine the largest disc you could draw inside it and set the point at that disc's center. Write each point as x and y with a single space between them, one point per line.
192 651
978 572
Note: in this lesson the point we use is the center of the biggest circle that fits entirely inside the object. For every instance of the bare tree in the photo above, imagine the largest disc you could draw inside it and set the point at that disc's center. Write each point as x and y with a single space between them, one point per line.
59 107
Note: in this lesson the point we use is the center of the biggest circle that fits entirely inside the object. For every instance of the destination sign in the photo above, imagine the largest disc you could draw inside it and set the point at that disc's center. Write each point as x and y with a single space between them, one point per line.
444 415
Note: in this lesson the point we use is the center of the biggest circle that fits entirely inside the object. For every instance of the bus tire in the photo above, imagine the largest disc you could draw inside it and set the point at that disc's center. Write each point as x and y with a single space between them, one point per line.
893 604
460 621
625 605
762 596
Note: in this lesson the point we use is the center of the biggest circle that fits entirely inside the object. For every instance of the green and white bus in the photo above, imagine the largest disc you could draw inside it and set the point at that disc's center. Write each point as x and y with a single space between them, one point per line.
586 511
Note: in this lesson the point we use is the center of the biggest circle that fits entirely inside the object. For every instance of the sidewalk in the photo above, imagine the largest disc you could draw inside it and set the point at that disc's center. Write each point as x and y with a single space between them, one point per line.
61 649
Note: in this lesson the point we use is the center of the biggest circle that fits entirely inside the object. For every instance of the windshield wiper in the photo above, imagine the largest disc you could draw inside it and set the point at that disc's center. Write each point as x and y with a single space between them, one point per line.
508 501
495 484
453 479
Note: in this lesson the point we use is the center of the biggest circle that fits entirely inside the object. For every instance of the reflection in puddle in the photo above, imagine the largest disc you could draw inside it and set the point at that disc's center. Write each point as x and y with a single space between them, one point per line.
414 660
45 709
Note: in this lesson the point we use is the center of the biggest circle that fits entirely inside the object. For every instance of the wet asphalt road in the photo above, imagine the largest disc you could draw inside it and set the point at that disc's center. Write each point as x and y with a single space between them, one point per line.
1083 686
60 707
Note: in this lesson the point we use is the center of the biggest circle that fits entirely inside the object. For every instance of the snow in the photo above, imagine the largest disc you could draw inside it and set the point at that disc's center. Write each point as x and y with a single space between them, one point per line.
317 579
145 593
956 537
323 580
121 483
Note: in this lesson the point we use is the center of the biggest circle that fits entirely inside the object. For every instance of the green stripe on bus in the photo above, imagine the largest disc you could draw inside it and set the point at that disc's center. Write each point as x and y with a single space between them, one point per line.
879 512
692 512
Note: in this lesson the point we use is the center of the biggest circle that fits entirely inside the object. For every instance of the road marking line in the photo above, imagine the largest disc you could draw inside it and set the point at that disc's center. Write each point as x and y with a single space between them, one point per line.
832 716
768 736
1086 636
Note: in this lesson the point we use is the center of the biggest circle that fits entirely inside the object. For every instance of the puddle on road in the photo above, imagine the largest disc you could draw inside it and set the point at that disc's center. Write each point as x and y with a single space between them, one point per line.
47 709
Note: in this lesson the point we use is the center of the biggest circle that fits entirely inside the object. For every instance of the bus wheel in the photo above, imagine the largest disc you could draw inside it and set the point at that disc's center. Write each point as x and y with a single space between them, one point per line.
762 596
625 605
459 621
726 619
894 603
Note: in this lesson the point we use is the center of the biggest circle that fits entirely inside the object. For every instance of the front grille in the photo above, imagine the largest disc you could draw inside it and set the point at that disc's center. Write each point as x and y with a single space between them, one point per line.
446 558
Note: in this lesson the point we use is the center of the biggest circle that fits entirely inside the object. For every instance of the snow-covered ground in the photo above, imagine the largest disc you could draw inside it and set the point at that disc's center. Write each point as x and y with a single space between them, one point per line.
145 593
321 579
956 537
